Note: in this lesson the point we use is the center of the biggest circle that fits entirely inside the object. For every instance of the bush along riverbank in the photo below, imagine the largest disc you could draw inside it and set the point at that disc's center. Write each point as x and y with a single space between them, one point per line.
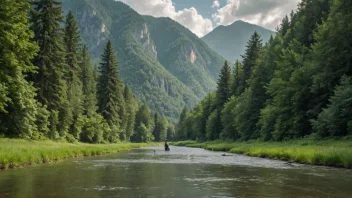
18 152
327 153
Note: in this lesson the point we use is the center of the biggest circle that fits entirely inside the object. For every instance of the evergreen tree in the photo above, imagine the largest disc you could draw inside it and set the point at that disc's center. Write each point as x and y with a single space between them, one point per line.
131 110
143 125
332 53
236 79
250 58
110 94
181 129
284 26
336 119
18 108
223 91
46 20
73 73
88 85
227 119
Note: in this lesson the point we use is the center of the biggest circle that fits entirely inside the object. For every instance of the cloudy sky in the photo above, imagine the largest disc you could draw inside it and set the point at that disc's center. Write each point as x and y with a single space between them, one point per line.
202 16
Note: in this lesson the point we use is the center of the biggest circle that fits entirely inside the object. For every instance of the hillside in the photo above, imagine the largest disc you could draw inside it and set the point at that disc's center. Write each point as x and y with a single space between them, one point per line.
230 41
166 72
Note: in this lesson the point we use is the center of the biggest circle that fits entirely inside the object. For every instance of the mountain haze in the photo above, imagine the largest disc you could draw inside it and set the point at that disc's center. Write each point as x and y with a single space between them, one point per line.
166 65
230 41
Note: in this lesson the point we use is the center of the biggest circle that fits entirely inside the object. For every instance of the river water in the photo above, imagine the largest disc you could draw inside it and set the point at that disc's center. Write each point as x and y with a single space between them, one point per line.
182 172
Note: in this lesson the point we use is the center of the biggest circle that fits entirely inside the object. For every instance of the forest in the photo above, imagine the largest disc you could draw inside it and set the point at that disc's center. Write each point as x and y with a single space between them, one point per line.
49 88
297 85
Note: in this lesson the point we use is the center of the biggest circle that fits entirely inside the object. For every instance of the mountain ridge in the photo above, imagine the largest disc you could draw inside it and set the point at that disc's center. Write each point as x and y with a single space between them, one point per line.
230 41
165 75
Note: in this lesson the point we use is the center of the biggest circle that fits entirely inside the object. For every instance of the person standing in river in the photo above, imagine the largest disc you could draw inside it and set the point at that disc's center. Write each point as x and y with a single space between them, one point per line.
166 146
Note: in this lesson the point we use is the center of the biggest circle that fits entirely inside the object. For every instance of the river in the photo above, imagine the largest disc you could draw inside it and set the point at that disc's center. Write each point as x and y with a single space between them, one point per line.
182 172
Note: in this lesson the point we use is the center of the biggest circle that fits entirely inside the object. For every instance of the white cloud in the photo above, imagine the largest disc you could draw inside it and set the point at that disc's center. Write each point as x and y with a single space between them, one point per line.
266 13
216 4
188 17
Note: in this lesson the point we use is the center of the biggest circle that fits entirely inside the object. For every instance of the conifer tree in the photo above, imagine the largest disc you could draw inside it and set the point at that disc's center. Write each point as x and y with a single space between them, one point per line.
88 85
131 110
18 108
250 58
143 125
223 92
46 20
110 91
73 73
181 129
330 65
237 75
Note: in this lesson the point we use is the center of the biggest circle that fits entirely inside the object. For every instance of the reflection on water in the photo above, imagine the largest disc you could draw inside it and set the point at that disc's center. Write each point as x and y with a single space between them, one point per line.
182 172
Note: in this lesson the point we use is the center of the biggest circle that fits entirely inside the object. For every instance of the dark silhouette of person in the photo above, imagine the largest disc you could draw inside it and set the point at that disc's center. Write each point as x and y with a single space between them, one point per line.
166 146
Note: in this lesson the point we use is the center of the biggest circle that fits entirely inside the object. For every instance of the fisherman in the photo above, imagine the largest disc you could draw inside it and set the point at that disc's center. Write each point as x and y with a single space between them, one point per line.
166 146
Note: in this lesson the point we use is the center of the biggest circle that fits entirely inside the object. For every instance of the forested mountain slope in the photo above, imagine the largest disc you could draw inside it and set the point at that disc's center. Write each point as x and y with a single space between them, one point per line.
230 41
166 72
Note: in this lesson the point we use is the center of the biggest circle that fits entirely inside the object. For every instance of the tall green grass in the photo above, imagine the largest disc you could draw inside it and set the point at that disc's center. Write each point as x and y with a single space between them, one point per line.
18 152
326 152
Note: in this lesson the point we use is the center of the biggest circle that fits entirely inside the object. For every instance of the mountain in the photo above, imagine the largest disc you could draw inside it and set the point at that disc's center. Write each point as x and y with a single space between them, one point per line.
230 41
166 65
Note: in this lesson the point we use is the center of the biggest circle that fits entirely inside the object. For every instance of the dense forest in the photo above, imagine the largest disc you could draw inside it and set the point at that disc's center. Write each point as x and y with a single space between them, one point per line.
298 84
50 90
166 66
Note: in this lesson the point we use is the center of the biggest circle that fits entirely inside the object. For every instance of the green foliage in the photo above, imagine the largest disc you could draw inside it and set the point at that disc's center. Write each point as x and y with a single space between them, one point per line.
184 55
237 76
73 76
110 92
250 58
18 153
228 118
18 109
46 20
332 53
89 86
95 129
144 125
224 86
181 128
336 119
282 90
159 71
213 125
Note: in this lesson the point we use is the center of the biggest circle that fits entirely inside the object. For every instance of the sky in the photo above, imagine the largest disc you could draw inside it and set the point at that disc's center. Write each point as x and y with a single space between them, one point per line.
202 16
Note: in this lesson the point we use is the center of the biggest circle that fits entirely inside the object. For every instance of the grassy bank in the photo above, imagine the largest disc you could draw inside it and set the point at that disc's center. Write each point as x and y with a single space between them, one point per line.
16 152
327 152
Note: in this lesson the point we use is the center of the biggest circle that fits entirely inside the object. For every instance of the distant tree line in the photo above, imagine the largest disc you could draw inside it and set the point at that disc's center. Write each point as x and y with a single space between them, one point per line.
49 89
296 85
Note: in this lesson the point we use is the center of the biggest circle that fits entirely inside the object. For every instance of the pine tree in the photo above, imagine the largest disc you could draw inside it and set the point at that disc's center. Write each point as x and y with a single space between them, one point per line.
332 53
110 94
73 73
131 110
284 26
237 75
336 119
18 108
223 92
88 85
46 20
250 58
181 129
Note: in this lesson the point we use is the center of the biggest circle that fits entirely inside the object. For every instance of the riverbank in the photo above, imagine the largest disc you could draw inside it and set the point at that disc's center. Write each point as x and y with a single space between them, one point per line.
18 153
327 152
